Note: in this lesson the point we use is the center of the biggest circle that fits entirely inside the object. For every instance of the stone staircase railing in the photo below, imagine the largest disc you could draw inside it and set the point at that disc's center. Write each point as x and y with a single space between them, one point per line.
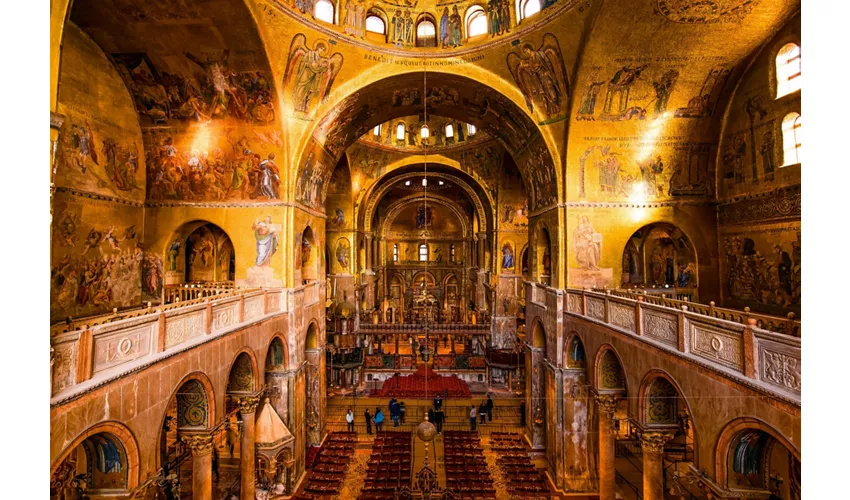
93 354
766 359
788 325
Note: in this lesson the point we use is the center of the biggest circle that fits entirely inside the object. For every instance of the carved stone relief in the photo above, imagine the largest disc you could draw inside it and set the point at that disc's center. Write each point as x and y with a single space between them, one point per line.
121 347
179 330
715 345
254 307
64 360
595 308
622 316
225 316
779 366
661 327
574 303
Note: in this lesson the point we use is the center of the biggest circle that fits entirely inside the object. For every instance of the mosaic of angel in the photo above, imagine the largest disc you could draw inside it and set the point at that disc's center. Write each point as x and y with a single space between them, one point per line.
541 74
310 71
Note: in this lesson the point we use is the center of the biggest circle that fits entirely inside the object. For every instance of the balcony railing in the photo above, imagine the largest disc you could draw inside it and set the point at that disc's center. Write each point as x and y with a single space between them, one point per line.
106 348
763 358
175 296
434 328
788 325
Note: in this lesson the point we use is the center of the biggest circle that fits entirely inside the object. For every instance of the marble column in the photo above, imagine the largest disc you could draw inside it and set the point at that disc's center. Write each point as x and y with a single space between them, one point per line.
368 245
248 408
652 447
606 405
201 446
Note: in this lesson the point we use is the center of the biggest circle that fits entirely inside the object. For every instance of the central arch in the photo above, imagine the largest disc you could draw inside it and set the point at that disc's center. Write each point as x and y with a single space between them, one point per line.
449 95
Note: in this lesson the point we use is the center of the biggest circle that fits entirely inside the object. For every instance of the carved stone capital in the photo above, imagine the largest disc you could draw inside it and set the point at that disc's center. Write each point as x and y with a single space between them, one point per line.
56 120
607 403
200 444
248 404
653 441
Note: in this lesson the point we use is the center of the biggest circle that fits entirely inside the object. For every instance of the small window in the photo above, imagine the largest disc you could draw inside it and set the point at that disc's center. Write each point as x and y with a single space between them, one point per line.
470 129
423 253
451 253
791 139
787 70
325 11
395 252
476 21
425 132
527 8
399 132
450 131
375 24
377 131
426 34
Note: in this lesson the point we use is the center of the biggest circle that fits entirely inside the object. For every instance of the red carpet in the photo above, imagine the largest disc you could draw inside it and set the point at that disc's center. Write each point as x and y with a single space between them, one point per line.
414 386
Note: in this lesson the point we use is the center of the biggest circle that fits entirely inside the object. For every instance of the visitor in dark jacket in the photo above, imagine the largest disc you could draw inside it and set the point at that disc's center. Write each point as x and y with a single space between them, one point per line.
368 421
482 412
489 409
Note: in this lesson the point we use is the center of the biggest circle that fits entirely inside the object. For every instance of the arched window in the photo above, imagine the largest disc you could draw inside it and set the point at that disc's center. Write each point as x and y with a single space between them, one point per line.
423 252
395 252
375 24
450 131
425 132
377 131
787 70
470 129
399 132
476 21
325 11
527 8
451 253
426 34
791 139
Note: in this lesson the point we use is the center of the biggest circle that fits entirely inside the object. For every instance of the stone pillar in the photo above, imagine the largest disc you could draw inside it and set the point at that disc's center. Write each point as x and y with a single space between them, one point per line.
201 446
606 404
652 446
368 264
247 407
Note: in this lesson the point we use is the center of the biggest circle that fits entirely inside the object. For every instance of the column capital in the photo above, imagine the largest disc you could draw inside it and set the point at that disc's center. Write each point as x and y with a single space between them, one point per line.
200 444
653 441
607 404
247 404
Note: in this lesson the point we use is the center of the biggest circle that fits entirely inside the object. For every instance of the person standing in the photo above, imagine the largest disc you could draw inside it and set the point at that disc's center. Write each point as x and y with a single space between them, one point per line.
232 437
439 416
368 422
438 402
482 412
349 419
401 412
379 420
472 418
215 463
489 409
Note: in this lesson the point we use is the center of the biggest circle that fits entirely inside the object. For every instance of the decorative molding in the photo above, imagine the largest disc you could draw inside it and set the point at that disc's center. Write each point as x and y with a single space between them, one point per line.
654 441
430 58
778 365
622 316
247 404
661 327
102 197
56 120
716 345
654 204
779 205
200 444
596 308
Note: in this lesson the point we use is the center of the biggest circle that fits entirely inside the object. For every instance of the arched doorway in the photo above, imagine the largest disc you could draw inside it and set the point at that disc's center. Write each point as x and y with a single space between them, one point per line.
189 413
278 380
752 455
309 256
98 464
575 401
660 256
315 386
200 255
612 410
543 255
